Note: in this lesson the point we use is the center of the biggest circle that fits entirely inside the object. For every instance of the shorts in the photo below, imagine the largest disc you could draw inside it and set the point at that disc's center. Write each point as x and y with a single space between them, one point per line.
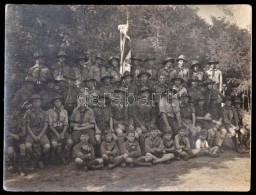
53 137
76 136
43 141
15 143
172 122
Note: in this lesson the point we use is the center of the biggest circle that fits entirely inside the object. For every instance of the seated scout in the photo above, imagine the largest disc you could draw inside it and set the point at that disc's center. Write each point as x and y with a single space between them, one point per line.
155 148
244 131
59 134
82 120
144 116
84 155
106 87
37 123
177 88
132 149
182 144
159 88
110 153
203 146
143 80
188 117
169 145
169 110
15 140
122 117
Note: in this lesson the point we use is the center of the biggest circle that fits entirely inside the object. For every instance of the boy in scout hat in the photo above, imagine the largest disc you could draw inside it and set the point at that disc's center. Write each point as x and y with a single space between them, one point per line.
98 69
151 67
215 74
88 87
178 88
181 70
168 70
113 68
195 71
244 131
59 134
160 86
135 66
106 87
60 69
193 90
143 77
111 155
38 73
155 148
84 154
15 133
36 123
127 83
169 113
133 152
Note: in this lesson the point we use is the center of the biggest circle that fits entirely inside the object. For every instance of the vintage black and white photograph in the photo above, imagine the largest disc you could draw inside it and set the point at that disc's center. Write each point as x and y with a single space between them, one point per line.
127 98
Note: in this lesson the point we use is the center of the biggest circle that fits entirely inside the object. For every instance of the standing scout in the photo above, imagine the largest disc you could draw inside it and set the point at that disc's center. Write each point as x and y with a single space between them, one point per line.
168 69
196 72
244 131
143 77
37 123
59 134
15 139
98 69
60 69
150 67
169 145
135 66
106 88
111 155
155 148
215 74
113 69
38 73
169 111
159 88
82 120
144 116
128 84
133 152
88 87
228 117
181 71
193 90
84 154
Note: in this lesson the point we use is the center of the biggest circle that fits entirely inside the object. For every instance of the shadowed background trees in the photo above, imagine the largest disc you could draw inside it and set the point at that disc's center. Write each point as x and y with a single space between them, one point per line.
154 30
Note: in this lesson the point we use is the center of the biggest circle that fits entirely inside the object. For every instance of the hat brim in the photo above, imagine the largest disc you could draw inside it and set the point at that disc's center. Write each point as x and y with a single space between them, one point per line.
146 73
106 77
193 65
213 62
194 80
182 80
167 60
181 59
114 59
60 98
129 75
119 91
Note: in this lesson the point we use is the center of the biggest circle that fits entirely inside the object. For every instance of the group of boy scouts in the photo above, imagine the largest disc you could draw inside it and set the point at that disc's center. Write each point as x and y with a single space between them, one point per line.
94 116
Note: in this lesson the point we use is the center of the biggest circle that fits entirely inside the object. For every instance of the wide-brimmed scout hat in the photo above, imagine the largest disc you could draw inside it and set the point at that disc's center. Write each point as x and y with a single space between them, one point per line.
193 80
182 127
213 61
143 72
178 78
120 90
227 98
113 58
237 101
126 74
57 96
181 57
195 63
62 53
209 81
38 54
106 76
99 56
201 98
35 97
185 95
89 79
168 59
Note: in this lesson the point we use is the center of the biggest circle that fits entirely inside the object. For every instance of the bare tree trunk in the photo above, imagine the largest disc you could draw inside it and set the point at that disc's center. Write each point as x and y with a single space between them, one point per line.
249 99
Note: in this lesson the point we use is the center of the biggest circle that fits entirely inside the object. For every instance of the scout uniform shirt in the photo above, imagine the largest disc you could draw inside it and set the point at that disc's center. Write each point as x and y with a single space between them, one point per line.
215 75
36 119
121 113
182 73
38 73
170 109
177 91
168 72
141 84
181 141
153 143
111 147
82 117
82 72
114 72
228 114
158 89
186 111
86 149
58 117
197 75
132 149
195 93
15 125
60 71
95 72
102 116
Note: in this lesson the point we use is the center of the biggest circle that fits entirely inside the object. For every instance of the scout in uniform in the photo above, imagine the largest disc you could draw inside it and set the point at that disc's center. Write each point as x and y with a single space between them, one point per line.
98 69
60 69
37 122
244 131
188 117
151 67
159 88
15 134
59 134
181 71
133 152
143 77
169 145
155 148
210 91
195 71
168 69
135 67
84 155
47 93
88 87
38 73
216 116
114 67
122 116
82 120
169 110
177 88
193 90
82 70
182 144
24 94
111 155
228 117
106 88
215 74
144 116
128 84
205 149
